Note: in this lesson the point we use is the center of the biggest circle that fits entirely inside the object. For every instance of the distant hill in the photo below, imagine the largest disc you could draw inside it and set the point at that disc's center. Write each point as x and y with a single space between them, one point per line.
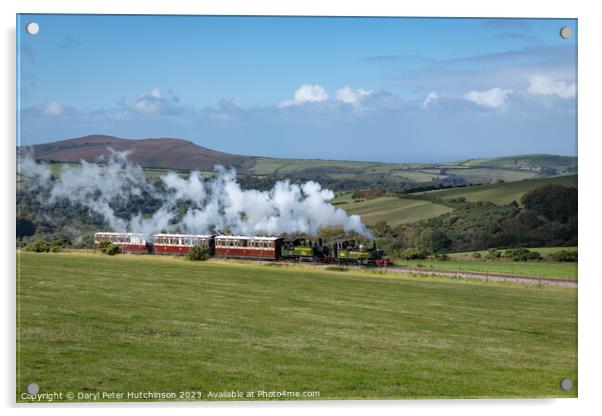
158 153
181 154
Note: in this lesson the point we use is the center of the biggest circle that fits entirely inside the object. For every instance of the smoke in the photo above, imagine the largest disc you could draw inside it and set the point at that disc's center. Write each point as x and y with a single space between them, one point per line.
213 205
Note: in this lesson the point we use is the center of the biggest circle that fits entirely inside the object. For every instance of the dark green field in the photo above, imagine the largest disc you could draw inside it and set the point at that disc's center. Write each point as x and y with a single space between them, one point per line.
93 323
502 193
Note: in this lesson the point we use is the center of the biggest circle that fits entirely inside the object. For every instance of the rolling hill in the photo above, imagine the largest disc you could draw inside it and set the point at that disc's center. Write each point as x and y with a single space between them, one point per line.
390 209
179 154
157 153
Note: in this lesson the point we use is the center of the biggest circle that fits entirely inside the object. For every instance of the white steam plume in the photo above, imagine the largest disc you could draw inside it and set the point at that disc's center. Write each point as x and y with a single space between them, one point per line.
215 205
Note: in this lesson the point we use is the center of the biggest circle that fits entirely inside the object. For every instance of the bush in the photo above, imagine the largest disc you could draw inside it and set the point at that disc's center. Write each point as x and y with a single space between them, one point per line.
476 255
39 246
492 253
441 257
55 248
112 249
522 254
413 254
565 256
108 248
197 253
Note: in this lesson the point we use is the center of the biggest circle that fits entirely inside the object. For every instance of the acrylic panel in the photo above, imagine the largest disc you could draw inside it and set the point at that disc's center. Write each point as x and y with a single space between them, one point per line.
215 208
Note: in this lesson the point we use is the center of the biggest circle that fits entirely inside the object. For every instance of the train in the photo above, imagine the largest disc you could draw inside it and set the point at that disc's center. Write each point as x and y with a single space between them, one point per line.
249 247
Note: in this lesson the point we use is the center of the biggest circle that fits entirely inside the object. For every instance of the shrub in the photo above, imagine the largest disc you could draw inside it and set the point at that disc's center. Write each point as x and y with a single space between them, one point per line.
476 255
112 249
197 253
108 248
413 254
565 256
441 257
55 248
492 253
522 254
39 246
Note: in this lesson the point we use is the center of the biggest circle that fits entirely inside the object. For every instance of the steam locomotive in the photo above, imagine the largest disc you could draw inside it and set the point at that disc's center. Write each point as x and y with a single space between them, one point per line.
246 247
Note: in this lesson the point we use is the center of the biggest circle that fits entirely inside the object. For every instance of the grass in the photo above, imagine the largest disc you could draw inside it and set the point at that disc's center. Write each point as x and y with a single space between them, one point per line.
544 251
526 161
490 175
93 323
549 269
502 193
393 210
265 166
488 170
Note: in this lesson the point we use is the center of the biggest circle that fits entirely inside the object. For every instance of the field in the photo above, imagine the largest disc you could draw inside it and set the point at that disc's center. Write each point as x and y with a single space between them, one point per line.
502 193
490 175
474 170
561 163
549 269
93 323
544 251
393 210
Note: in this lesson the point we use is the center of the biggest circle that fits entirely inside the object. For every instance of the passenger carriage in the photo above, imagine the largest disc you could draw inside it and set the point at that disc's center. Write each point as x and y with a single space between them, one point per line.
127 242
180 244
237 246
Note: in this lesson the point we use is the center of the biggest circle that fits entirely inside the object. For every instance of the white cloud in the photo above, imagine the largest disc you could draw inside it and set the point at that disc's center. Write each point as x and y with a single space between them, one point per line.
307 93
493 98
155 92
431 98
52 108
544 85
351 96
155 102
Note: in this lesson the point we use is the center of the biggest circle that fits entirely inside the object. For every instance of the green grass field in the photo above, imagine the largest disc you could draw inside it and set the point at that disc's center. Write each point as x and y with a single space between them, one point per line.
93 323
561 163
549 269
393 210
544 251
490 175
502 193
264 166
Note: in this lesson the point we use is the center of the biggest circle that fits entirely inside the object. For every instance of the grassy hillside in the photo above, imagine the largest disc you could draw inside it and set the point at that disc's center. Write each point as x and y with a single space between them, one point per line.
533 161
92 323
473 170
502 193
391 209
490 175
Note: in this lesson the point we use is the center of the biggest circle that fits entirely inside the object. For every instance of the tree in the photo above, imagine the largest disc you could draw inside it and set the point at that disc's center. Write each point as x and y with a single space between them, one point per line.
434 241
25 227
554 202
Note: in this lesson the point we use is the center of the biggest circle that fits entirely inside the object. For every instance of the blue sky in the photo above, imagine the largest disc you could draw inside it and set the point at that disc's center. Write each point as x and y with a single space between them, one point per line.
382 89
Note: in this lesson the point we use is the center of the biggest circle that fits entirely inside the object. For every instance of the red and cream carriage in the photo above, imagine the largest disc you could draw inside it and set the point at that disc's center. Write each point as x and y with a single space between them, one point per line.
232 246
127 242
181 243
